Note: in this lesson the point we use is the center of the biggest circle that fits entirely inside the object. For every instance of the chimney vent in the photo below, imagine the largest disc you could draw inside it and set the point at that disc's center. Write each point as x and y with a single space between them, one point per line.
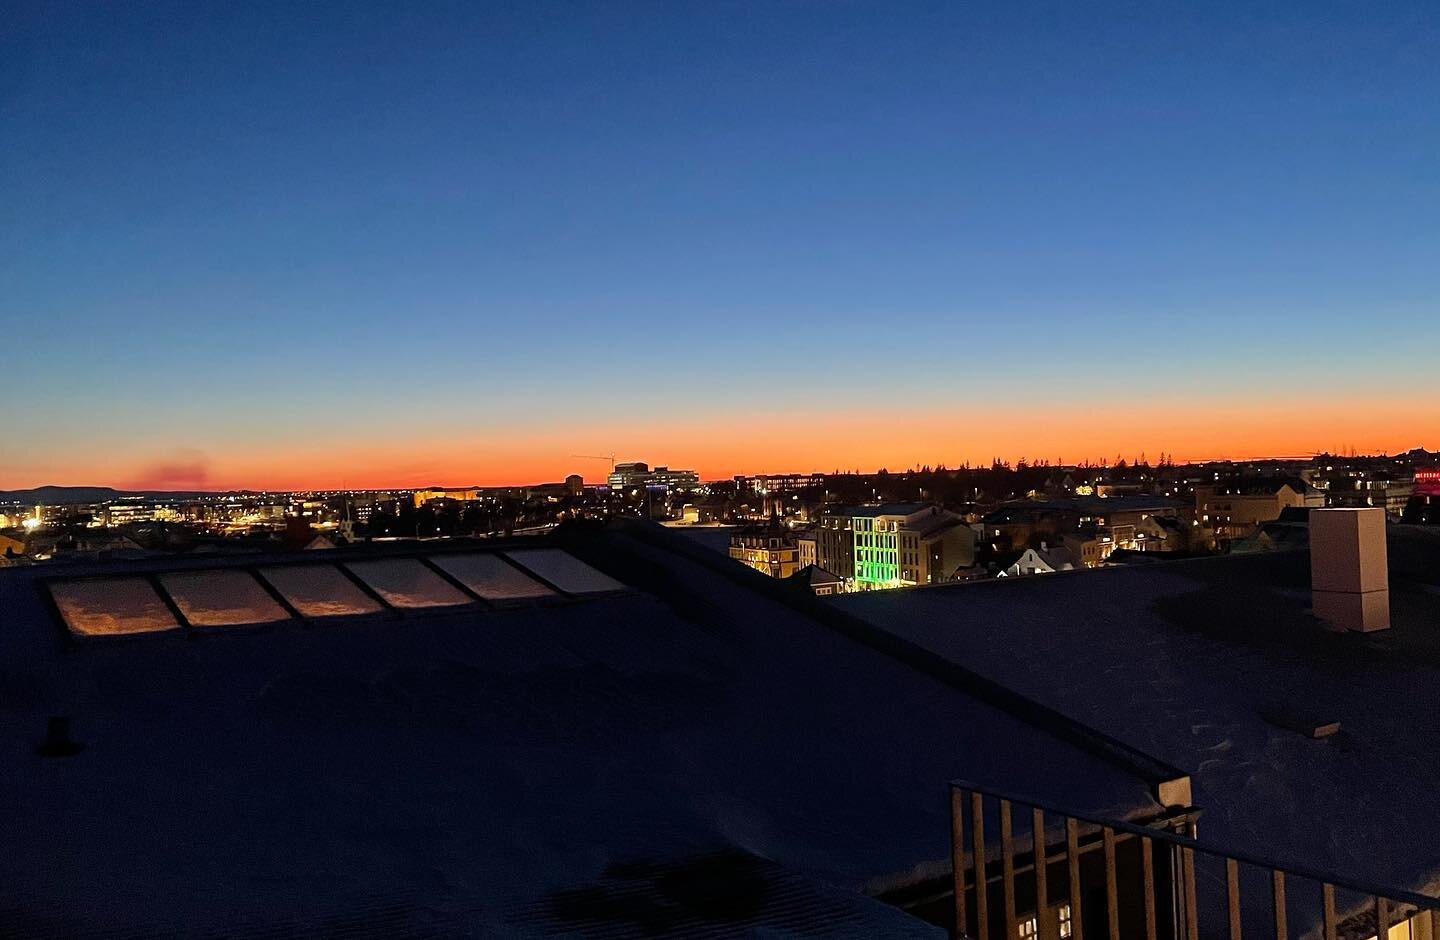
1349 573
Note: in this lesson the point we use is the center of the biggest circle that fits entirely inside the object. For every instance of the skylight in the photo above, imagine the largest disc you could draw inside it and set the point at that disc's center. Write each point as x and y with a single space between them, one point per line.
491 577
406 582
112 607
222 598
319 590
564 570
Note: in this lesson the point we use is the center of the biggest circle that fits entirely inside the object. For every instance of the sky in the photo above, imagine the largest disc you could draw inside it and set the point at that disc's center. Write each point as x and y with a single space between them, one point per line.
280 245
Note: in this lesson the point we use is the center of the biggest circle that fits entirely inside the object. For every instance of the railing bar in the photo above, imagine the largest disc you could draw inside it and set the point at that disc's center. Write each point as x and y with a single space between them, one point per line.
1187 873
1277 878
1327 901
1232 895
1007 867
1147 866
1072 863
1112 893
957 857
977 842
1421 901
1382 918
1042 886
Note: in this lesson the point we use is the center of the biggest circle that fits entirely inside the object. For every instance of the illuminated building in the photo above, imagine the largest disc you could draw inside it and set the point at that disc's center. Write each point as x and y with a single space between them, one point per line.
129 512
893 545
1381 493
422 497
766 483
806 544
1232 509
638 473
770 549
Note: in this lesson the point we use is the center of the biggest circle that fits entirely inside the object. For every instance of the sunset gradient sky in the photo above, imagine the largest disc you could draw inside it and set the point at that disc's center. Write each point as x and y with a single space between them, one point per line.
318 245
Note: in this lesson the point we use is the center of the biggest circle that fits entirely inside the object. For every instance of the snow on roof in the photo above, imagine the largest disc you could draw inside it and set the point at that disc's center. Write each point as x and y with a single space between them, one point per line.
1185 660
462 768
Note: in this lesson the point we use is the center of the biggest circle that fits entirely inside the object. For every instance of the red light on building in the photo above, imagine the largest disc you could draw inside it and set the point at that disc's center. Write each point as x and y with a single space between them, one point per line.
1427 482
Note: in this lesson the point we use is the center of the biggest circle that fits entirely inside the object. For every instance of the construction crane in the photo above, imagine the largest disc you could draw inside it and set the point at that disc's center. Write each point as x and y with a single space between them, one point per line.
609 457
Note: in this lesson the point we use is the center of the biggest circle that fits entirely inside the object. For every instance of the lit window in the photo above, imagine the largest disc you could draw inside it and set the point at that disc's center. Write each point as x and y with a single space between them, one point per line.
405 582
1063 915
221 598
1028 929
112 606
319 590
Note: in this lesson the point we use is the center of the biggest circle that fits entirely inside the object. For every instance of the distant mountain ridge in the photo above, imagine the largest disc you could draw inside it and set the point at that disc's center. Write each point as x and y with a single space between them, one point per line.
60 495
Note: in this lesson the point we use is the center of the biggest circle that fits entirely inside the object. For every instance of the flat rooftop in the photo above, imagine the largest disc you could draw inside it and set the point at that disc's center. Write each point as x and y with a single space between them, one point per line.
1198 662
603 760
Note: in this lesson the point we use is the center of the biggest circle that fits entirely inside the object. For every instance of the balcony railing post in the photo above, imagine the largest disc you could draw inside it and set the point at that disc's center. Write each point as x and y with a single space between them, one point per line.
1232 895
1007 868
1112 893
1327 903
957 856
1277 878
1187 875
1072 865
1382 918
977 844
1147 867
1042 875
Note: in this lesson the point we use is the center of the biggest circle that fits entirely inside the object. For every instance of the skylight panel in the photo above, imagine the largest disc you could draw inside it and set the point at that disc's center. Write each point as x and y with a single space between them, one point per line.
112 607
221 598
405 582
319 590
491 576
565 571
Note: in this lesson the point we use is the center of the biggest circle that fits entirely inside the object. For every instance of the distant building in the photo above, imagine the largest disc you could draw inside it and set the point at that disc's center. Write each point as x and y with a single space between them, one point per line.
1088 548
130 511
767 483
12 543
1385 493
1042 560
424 496
807 545
822 582
893 545
768 549
1233 509
638 473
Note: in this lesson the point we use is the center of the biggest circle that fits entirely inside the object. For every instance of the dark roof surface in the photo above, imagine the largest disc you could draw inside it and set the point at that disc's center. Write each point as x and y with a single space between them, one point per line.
521 771
1183 660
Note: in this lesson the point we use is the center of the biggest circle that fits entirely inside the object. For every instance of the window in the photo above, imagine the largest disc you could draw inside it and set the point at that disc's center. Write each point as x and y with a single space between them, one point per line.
565 571
1028 929
491 576
221 598
319 590
112 607
405 582
1062 915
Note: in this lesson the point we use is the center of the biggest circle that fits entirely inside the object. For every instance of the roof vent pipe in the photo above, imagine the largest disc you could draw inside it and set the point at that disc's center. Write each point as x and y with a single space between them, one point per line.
1349 573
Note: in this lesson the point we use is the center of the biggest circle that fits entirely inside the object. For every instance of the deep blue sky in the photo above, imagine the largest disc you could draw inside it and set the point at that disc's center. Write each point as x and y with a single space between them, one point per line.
234 228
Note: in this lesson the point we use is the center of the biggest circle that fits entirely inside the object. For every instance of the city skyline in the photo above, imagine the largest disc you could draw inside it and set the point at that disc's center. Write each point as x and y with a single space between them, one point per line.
347 244
190 472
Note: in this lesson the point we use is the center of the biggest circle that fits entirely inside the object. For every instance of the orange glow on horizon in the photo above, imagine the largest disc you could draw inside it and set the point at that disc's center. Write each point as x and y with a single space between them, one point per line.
720 447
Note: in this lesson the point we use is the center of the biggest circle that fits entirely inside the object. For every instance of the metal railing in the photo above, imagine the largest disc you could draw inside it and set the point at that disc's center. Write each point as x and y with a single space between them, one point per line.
1120 879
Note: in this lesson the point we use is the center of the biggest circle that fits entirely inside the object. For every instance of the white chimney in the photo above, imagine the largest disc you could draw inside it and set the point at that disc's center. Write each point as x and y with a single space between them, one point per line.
1349 573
